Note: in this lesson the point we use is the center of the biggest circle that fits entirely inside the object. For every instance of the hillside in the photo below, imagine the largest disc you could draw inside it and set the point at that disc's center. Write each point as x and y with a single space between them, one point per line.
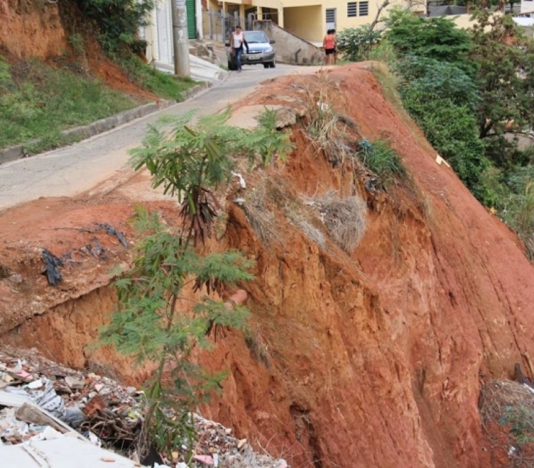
372 357
55 74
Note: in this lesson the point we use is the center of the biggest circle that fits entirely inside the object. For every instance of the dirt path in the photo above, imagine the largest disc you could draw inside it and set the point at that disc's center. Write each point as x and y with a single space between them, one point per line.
75 169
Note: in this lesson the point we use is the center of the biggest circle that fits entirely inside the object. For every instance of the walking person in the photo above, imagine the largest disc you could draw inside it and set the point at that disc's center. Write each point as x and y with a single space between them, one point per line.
237 41
329 46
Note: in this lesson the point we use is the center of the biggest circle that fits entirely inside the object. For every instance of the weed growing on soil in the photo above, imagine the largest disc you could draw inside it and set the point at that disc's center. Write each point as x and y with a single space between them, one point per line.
380 158
37 101
324 127
155 322
156 319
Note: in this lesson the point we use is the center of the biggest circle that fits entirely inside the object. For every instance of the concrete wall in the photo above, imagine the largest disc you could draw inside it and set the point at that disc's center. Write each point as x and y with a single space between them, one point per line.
290 48
311 29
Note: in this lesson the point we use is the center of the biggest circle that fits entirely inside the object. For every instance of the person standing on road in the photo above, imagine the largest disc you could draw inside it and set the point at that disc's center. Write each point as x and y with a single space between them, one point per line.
237 41
329 46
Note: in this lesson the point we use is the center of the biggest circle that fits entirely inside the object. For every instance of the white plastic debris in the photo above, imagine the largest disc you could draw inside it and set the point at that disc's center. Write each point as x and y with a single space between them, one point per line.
48 434
239 201
94 439
35 384
242 181
440 160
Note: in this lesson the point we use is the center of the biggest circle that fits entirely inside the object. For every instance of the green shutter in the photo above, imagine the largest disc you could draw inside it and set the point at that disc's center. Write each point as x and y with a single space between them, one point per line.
191 22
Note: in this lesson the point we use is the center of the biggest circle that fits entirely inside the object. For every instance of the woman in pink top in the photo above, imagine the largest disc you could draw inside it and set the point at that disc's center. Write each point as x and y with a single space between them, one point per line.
329 46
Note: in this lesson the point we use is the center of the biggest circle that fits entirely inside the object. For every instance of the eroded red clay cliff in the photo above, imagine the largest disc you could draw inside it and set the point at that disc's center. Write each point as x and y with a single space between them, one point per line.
372 359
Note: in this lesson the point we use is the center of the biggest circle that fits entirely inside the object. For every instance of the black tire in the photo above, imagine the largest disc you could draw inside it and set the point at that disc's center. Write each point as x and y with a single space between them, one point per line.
266 65
272 64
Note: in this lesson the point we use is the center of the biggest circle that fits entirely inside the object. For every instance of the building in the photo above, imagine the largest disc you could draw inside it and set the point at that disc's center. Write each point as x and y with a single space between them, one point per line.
158 33
308 19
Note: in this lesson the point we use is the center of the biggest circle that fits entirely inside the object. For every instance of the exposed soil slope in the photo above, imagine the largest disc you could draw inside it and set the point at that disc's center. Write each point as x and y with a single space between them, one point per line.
373 359
40 29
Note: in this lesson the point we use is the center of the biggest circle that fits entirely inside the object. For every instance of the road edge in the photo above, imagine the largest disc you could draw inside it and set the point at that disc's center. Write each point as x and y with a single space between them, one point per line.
13 153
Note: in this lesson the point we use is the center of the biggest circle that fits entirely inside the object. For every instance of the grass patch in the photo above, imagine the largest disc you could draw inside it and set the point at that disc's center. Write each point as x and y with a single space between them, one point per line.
38 101
162 84
380 158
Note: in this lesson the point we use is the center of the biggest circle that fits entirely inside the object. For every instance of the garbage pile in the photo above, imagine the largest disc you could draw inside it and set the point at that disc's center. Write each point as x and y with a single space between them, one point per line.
39 397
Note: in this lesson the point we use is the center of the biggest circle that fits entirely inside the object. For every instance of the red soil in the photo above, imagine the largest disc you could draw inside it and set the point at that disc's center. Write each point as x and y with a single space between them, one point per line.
373 359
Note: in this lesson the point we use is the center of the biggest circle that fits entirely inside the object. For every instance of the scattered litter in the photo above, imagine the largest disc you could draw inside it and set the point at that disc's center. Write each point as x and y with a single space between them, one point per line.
35 384
242 181
113 232
53 401
440 160
51 271
204 459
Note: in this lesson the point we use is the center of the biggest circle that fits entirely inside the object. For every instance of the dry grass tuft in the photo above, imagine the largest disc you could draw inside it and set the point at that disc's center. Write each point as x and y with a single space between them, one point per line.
312 233
261 219
326 129
345 219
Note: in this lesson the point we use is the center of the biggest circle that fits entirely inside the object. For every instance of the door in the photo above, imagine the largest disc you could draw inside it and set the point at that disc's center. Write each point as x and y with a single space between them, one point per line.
191 19
330 18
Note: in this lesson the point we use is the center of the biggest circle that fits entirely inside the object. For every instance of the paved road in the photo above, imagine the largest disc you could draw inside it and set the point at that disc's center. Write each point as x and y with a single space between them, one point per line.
74 169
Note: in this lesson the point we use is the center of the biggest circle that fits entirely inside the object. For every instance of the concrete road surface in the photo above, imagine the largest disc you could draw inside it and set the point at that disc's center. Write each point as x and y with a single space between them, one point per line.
75 169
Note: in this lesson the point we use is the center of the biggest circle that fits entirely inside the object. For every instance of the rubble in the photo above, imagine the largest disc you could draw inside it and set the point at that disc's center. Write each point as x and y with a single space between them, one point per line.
42 401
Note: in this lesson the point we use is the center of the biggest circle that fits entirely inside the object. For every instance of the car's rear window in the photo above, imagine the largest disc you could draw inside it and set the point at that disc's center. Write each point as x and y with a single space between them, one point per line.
255 37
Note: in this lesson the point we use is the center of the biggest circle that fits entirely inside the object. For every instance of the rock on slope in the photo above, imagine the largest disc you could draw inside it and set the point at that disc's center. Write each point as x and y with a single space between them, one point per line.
368 359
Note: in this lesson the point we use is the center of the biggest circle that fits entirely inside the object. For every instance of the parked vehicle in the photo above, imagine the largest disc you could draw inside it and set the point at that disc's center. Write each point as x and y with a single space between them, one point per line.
260 50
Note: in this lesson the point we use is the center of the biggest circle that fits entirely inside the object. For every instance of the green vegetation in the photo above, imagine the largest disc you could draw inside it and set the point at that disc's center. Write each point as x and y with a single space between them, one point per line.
521 422
470 91
380 158
118 22
355 44
158 318
162 84
38 101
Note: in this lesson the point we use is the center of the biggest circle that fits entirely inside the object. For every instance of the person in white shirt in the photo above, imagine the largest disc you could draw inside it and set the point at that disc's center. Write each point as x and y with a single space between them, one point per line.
237 41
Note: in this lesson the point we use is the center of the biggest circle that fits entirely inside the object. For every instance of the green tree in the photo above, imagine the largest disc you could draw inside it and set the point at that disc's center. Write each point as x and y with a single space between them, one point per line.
431 79
436 38
155 320
505 77
118 22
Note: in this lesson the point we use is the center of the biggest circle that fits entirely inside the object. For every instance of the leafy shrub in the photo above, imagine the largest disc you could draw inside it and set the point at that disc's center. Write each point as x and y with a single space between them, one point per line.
432 79
452 130
355 44
437 38
118 22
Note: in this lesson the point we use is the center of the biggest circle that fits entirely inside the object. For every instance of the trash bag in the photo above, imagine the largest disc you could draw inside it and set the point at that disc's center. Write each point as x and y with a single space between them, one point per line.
52 263
113 232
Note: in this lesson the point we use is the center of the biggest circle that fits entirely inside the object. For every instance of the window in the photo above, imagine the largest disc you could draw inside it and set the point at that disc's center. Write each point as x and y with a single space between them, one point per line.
353 11
330 15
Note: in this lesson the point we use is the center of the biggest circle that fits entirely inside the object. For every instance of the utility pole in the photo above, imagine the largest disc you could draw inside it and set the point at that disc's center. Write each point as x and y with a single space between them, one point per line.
180 38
